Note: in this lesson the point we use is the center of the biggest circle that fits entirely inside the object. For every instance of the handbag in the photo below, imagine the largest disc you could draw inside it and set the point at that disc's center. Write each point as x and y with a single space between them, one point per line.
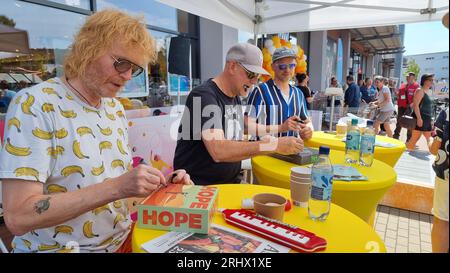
408 120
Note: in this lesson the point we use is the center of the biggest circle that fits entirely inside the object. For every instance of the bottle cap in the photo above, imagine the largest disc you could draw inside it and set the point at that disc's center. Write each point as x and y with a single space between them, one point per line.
354 122
247 203
324 150
370 123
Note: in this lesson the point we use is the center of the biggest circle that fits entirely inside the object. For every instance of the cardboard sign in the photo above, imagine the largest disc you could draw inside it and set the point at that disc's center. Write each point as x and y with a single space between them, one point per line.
179 207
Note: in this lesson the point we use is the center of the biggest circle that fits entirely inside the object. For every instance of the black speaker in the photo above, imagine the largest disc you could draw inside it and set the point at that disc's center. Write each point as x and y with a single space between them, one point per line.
179 56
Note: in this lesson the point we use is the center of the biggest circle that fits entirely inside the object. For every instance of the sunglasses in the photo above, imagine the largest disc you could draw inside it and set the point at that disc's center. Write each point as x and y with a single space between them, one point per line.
122 66
250 75
285 66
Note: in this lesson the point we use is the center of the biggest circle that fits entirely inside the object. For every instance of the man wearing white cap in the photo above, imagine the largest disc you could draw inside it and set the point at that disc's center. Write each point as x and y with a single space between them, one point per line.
210 135
277 104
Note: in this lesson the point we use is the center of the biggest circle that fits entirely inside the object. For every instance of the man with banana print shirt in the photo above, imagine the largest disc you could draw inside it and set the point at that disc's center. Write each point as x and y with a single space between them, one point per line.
65 163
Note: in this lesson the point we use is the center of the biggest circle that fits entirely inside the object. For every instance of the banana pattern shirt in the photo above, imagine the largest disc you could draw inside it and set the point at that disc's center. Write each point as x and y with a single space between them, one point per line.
54 138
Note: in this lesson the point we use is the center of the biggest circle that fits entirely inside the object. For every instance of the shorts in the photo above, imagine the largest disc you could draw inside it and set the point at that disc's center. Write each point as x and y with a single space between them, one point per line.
440 199
384 116
426 127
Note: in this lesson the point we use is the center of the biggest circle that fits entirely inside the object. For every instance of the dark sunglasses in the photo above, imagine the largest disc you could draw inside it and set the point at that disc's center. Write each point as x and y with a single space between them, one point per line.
284 66
250 75
122 65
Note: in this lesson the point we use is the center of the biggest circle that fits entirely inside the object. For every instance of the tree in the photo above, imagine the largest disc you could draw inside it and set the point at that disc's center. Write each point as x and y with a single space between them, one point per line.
412 67
6 21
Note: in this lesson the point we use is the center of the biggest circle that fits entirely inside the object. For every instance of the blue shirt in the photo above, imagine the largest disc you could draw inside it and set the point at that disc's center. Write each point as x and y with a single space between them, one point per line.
267 105
352 95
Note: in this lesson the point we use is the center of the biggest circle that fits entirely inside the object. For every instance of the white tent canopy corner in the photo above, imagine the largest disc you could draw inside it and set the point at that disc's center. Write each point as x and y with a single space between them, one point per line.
281 16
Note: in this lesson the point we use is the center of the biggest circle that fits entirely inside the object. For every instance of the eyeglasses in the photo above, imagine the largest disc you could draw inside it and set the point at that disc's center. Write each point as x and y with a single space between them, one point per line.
250 75
284 66
122 65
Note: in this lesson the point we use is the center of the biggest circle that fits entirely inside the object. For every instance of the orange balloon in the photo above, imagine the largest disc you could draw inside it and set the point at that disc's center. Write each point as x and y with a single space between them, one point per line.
283 42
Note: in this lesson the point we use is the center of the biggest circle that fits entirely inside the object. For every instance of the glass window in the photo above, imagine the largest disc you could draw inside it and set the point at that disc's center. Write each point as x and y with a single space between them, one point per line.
155 13
83 4
48 40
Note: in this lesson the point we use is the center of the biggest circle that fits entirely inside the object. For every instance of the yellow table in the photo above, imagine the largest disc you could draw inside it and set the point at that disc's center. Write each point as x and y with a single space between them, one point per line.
359 197
343 231
389 156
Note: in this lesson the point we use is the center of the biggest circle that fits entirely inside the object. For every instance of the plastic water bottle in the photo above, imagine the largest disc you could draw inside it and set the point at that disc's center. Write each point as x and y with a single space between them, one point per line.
321 186
367 146
352 143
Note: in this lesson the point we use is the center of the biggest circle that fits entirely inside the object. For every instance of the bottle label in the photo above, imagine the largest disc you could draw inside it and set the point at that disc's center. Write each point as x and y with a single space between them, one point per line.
352 142
321 186
367 144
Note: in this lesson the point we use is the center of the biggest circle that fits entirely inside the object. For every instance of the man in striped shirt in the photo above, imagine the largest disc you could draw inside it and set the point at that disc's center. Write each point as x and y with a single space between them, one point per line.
276 107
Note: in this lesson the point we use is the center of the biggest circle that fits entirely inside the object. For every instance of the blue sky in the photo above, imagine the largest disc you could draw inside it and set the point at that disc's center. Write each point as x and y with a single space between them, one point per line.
426 37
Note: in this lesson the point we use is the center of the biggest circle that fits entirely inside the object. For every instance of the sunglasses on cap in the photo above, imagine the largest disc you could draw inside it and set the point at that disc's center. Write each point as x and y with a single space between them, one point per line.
250 75
285 66
122 66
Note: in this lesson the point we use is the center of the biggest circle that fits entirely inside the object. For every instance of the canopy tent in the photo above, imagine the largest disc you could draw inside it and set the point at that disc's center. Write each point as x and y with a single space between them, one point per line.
282 16
13 40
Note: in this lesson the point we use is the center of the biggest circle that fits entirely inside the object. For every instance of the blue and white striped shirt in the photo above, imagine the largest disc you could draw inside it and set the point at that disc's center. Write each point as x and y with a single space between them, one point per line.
268 106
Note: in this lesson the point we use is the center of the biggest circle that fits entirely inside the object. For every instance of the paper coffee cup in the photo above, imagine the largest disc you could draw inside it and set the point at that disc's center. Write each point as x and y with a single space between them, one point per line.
270 205
301 172
300 193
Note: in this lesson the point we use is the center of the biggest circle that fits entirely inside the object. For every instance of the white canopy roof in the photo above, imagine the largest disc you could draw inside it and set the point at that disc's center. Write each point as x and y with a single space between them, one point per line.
281 16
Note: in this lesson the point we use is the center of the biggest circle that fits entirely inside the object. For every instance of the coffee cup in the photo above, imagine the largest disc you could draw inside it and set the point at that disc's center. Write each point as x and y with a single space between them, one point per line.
270 205
302 172
300 193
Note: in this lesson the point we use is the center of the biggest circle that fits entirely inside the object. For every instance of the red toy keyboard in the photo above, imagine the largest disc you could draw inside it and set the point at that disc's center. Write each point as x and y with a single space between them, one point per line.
278 232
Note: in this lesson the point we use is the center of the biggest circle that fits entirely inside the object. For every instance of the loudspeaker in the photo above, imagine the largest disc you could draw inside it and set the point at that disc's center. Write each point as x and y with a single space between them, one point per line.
179 56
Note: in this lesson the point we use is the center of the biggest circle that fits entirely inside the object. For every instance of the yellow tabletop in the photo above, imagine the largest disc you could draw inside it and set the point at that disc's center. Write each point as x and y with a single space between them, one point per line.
343 231
359 197
389 156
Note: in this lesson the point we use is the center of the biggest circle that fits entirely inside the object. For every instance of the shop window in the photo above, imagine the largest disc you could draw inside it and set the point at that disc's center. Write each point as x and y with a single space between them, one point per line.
83 4
48 41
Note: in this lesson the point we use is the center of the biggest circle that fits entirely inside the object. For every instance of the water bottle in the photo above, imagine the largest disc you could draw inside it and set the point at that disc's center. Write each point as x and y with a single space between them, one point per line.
367 146
321 186
352 143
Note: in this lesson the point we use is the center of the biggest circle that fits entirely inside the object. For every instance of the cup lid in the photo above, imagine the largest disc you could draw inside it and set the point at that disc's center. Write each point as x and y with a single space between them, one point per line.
301 170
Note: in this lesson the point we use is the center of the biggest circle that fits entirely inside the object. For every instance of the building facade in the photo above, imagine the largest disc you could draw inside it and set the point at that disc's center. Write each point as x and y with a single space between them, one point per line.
431 63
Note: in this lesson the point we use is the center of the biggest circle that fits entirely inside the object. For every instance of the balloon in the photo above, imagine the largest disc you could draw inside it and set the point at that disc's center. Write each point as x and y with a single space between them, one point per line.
283 42
276 39
300 53
265 50
268 43
277 45
272 50
295 48
267 57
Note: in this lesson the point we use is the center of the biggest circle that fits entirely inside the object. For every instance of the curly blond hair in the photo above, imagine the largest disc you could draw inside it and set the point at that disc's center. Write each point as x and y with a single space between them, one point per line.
99 33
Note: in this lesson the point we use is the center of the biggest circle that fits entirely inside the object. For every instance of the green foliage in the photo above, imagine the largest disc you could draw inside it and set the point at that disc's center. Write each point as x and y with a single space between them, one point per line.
7 21
412 67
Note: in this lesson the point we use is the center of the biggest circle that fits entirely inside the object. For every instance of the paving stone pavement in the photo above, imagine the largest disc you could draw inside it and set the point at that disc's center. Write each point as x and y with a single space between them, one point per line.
404 231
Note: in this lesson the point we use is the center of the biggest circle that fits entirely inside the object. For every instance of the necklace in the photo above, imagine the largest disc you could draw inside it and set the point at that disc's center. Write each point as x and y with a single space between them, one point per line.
78 92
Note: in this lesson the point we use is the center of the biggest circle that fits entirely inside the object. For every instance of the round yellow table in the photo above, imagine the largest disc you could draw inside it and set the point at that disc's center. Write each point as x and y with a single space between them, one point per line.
389 156
359 197
343 231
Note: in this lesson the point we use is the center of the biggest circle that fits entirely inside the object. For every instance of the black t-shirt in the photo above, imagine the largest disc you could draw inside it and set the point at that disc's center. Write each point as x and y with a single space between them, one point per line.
213 110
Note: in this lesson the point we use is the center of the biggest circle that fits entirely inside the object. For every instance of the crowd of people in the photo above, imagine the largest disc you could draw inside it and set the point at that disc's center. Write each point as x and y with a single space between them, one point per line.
66 168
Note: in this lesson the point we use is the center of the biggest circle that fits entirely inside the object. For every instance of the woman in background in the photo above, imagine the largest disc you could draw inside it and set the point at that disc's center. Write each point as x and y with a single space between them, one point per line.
303 86
422 112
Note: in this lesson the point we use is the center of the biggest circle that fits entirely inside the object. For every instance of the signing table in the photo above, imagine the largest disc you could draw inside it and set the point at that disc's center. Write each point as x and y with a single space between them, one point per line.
389 155
343 231
359 197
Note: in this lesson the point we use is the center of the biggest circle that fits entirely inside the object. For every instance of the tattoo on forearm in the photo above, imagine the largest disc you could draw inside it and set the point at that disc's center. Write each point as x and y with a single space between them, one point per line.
42 205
